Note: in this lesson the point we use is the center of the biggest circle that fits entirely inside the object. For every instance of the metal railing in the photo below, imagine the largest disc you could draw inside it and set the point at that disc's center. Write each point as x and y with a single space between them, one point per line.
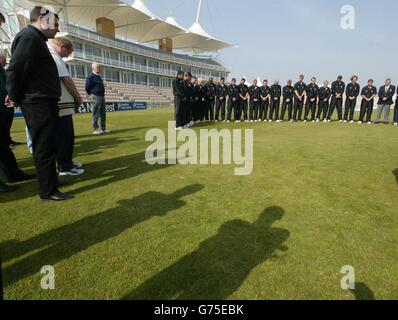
139 50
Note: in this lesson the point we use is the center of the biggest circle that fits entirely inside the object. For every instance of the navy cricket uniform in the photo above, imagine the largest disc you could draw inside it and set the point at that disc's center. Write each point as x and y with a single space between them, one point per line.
210 98
243 103
299 87
312 100
338 88
367 106
287 104
324 98
352 90
233 102
178 91
254 92
265 91
276 93
221 94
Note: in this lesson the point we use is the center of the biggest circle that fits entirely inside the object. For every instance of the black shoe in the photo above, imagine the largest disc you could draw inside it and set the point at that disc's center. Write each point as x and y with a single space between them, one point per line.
6 188
59 196
21 177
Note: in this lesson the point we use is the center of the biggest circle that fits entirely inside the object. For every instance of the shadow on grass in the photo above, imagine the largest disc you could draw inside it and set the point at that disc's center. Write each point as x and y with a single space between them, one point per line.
58 244
362 292
221 263
395 172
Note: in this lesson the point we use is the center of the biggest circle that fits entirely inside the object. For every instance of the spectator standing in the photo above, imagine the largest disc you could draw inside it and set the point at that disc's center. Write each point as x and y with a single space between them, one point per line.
61 48
96 90
33 83
386 94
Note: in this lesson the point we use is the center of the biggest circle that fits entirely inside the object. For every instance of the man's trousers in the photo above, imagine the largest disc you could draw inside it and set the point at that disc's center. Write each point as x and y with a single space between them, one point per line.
99 112
275 104
287 106
8 163
232 109
310 106
178 111
349 109
337 103
66 143
254 109
366 108
323 109
298 109
42 121
243 109
220 108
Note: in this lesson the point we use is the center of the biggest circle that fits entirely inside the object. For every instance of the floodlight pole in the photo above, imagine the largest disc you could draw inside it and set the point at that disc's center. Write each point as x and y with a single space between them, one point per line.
198 13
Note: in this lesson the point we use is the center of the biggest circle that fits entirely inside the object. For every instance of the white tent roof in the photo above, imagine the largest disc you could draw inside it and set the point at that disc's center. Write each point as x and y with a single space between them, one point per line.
136 22
197 40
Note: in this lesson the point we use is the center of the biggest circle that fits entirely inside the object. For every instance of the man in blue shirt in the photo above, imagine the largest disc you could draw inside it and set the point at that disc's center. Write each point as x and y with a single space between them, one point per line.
96 90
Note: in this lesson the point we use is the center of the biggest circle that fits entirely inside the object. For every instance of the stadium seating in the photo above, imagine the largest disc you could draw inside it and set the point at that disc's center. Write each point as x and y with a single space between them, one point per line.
121 92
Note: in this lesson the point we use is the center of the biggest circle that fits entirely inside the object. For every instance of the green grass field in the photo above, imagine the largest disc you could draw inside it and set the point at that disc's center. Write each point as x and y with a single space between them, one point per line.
321 196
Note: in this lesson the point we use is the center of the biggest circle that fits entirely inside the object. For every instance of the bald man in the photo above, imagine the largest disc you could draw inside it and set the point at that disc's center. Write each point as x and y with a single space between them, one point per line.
96 90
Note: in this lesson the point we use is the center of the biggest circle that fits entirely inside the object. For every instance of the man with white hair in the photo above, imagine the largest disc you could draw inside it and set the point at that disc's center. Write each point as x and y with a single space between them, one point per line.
96 90
61 48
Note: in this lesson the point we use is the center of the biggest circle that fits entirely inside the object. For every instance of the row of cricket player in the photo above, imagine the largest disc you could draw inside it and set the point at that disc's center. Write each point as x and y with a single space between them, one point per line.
196 101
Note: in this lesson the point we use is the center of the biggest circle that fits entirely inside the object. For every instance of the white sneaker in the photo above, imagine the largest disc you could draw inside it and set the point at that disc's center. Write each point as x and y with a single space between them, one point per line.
251 120
270 120
352 121
345 121
359 122
340 120
228 121
369 122
395 123
97 132
72 172
265 120
325 121
78 165
305 121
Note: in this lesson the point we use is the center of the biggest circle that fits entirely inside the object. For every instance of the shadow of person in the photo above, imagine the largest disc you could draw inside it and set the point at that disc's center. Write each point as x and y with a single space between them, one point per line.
395 172
61 243
221 263
103 172
362 292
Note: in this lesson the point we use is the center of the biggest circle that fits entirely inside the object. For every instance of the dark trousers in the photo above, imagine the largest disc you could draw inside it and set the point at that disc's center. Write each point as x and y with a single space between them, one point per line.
66 143
210 108
178 111
203 109
42 122
349 109
298 109
253 109
220 108
8 163
396 112
287 106
366 108
310 106
186 111
9 121
275 104
232 109
338 105
264 109
323 110
243 109
196 110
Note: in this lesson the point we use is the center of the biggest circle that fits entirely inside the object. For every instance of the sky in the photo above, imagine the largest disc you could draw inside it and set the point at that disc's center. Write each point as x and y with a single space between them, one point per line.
280 39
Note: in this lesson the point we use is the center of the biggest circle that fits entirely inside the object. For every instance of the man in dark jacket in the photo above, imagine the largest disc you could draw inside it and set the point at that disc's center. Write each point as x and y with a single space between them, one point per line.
233 101
368 94
33 83
324 97
95 88
312 91
287 104
221 94
276 93
338 88
386 94
178 95
352 92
